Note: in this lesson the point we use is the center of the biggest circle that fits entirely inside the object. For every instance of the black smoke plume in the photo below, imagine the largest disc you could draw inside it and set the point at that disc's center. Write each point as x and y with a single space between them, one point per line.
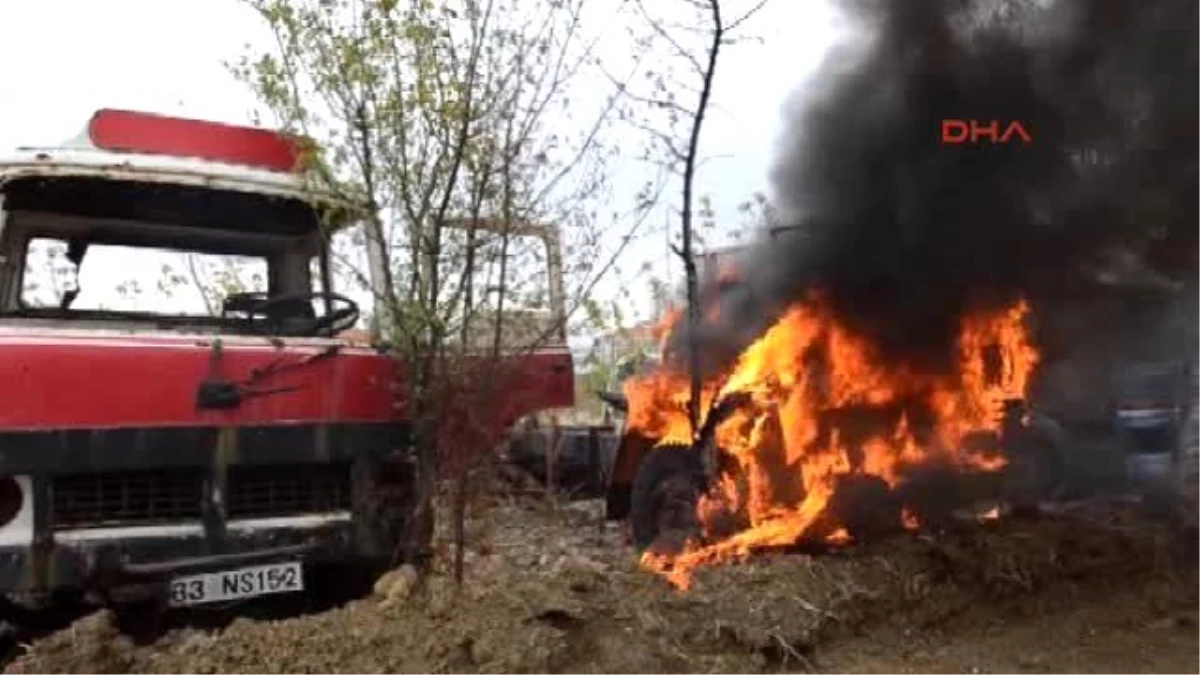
903 234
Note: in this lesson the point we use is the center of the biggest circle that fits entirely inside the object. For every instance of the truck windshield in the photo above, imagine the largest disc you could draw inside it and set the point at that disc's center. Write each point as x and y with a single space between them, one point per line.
136 279
154 253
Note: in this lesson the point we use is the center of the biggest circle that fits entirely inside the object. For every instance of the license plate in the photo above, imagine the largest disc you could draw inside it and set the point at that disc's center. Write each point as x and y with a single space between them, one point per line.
246 582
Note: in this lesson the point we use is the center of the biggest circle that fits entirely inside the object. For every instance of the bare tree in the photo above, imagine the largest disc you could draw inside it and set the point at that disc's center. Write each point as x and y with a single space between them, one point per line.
717 31
444 122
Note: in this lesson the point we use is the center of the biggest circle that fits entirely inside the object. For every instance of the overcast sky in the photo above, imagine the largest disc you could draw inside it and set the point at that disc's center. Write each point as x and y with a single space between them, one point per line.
66 58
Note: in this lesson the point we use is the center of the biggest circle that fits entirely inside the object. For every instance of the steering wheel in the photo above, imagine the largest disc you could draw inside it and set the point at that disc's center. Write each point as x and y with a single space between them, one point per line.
292 313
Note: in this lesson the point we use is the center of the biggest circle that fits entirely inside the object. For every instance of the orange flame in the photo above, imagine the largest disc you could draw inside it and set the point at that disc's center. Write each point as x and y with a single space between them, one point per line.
786 453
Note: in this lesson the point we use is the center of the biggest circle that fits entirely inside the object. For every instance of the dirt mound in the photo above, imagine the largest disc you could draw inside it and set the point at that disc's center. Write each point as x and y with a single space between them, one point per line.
92 644
787 609
547 592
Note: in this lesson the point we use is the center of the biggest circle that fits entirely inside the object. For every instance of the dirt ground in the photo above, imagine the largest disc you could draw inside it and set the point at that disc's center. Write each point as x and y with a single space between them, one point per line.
1098 590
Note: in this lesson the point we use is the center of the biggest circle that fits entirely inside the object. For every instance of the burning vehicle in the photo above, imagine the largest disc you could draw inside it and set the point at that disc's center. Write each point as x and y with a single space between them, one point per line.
809 439
868 368
196 458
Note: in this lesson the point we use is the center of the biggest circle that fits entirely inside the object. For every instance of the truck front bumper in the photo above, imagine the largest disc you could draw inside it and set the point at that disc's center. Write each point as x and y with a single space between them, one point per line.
100 510
130 563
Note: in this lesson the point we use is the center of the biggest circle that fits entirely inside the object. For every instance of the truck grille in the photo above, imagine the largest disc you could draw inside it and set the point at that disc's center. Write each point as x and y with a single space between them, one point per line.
176 496
266 491
126 498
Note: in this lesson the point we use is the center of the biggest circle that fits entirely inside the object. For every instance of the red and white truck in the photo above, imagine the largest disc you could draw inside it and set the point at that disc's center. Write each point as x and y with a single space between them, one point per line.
187 456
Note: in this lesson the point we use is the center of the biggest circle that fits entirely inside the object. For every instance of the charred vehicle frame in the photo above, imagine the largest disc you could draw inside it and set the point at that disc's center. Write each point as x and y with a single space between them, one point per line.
656 486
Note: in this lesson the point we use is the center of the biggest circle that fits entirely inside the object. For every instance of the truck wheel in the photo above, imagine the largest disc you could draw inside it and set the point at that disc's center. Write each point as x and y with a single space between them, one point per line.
665 491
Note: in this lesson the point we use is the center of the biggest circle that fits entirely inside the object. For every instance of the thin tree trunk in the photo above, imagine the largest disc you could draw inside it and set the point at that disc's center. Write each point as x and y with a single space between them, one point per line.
461 493
689 258
553 450
426 452
463 479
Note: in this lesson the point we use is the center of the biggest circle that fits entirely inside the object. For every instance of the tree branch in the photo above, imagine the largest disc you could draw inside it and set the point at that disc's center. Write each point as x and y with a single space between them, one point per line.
693 300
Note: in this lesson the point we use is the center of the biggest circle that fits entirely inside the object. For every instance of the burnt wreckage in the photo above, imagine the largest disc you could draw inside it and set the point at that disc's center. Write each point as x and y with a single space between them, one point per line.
657 484
907 238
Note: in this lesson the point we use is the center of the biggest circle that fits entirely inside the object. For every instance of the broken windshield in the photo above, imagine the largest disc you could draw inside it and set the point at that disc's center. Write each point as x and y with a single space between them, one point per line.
136 279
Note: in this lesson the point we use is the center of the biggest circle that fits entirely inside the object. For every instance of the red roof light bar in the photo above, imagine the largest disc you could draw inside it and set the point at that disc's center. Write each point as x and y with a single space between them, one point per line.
145 133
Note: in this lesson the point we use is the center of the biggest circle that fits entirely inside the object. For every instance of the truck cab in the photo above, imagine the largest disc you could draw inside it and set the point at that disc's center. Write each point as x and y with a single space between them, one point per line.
211 438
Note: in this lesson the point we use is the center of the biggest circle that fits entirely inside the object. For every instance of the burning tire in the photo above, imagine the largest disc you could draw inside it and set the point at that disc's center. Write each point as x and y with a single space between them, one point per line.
665 492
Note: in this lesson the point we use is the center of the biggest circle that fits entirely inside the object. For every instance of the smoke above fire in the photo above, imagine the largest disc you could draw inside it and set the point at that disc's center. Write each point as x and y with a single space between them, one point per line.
905 235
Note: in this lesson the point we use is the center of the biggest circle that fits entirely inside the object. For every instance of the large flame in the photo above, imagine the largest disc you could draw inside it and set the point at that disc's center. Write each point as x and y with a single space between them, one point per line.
787 461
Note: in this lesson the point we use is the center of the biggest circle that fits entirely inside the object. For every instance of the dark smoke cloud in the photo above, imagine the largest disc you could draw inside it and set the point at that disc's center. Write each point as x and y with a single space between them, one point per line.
904 234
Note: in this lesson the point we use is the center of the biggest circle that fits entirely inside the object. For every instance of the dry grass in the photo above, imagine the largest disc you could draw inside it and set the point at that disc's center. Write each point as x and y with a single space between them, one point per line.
547 593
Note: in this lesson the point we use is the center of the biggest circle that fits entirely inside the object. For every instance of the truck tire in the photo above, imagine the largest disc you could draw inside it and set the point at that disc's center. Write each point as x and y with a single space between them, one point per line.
665 491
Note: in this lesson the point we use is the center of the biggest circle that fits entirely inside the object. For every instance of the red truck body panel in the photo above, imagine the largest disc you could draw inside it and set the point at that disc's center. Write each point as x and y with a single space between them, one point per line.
52 380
